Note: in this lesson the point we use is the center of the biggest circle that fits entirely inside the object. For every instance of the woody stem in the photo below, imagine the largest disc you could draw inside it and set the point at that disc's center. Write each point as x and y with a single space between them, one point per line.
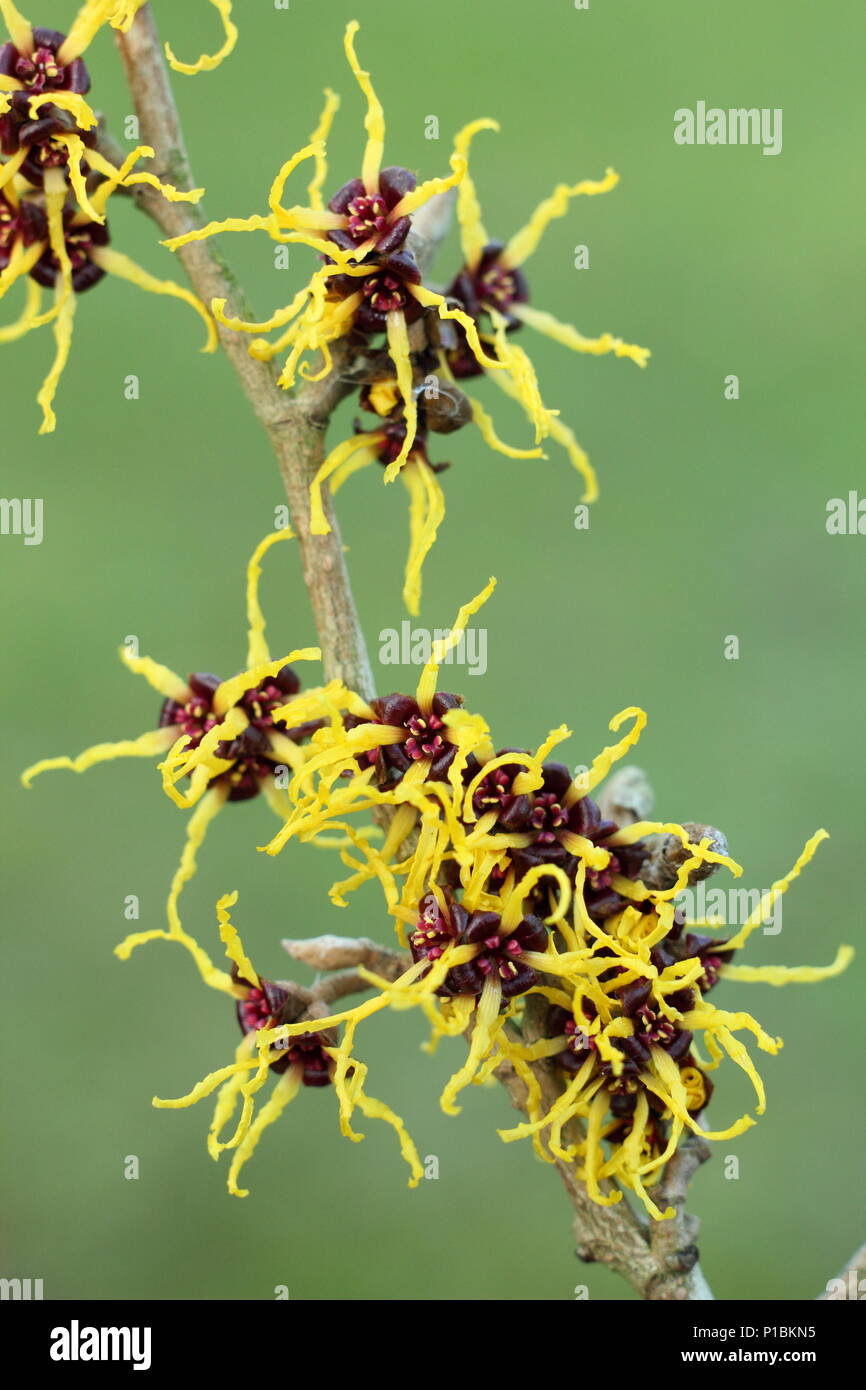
295 425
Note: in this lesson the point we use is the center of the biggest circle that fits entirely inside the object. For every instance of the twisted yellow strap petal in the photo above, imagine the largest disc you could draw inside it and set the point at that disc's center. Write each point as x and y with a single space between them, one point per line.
148 745
524 242
230 938
62 331
20 30
399 352
12 165
442 646
564 333
318 140
357 444
486 429
565 436
92 15
28 319
257 648
285 1091
115 263
208 61
790 974
374 121
473 236
426 513
158 677
768 901
196 832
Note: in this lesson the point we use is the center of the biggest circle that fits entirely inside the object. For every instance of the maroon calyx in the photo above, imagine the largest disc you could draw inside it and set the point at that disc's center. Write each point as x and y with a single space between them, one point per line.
423 735
434 930
500 956
81 239
11 228
370 216
680 945
651 1028
42 70
195 716
579 1045
392 427
263 1008
495 792
44 152
250 753
491 285
39 72
384 290
308 1052
547 815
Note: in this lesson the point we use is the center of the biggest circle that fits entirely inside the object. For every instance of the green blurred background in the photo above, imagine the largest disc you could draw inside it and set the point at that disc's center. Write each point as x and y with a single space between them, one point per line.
710 523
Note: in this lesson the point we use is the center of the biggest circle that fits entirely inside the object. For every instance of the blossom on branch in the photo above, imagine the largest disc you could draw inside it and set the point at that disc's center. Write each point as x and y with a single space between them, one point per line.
227 737
55 185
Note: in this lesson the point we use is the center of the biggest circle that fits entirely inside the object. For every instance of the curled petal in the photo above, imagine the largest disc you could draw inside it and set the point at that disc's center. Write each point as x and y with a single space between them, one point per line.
208 61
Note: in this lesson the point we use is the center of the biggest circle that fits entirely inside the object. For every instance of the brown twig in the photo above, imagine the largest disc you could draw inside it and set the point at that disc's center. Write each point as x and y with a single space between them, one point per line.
344 955
295 425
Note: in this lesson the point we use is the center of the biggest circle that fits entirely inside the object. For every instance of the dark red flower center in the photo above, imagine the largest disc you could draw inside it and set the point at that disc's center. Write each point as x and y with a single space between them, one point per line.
81 240
424 740
712 966
384 291
578 1038
254 1012
497 286
433 932
499 956
492 791
368 217
250 754
547 817
651 1028
40 69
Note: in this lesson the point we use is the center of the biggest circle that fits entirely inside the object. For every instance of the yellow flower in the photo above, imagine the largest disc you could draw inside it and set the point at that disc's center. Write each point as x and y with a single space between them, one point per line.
228 736
492 289
626 1033
311 1056
93 16
42 72
371 283
514 886
405 751
55 244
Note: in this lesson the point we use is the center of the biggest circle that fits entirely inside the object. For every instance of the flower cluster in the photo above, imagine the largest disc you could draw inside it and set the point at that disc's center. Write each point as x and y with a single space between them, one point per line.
526 920
417 343
230 740
529 921
55 184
